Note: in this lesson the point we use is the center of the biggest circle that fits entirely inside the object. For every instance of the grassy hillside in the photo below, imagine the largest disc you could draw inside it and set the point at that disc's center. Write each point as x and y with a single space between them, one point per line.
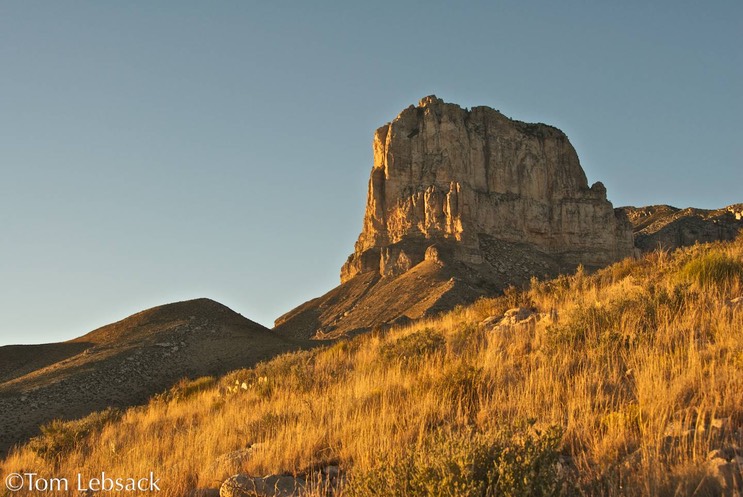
621 383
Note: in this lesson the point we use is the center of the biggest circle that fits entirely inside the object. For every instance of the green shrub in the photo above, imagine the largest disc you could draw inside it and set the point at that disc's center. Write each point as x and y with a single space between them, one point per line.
528 465
713 269
444 464
466 340
465 463
59 438
292 371
602 324
411 348
581 324
460 387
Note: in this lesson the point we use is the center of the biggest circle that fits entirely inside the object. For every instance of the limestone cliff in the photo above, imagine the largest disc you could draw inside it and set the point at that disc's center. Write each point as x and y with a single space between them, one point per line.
463 203
446 174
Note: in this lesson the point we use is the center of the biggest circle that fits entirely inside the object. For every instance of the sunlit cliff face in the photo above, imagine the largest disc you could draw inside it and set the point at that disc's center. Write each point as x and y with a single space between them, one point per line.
446 173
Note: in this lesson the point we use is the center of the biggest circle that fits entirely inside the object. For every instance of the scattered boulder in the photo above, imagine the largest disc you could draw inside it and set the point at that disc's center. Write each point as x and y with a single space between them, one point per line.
230 462
490 321
269 486
724 476
331 479
204 492
517 316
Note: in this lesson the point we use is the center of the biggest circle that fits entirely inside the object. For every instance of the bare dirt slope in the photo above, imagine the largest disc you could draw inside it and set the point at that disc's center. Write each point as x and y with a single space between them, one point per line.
367 300
125 363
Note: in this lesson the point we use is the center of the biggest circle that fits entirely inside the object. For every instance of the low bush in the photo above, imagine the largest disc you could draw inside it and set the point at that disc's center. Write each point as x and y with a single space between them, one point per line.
713 269
460 387
414 347
528 465
468 464
185 389
59 438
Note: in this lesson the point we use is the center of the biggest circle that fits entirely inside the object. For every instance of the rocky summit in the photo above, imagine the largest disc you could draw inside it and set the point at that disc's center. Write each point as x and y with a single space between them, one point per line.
462 203
445 174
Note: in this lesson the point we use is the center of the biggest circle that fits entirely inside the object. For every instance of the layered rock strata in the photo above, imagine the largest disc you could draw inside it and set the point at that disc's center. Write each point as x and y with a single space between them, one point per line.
461 178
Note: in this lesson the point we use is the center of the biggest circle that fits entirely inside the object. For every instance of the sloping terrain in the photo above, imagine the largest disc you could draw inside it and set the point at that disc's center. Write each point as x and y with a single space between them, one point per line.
663 226
125 363
624 382
368 301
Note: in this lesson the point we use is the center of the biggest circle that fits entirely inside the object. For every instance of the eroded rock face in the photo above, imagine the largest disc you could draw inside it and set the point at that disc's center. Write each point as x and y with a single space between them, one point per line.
462 204
461 178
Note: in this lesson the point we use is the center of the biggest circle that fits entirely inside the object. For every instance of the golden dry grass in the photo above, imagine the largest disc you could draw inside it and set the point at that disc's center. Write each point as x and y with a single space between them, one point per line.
634 365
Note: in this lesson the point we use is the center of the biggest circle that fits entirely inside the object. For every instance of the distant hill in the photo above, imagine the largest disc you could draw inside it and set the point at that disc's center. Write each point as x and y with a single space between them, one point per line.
663 226
125 363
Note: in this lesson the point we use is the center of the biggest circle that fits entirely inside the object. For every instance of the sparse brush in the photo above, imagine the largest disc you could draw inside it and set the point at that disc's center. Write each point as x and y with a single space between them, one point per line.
413 348
714 269
185 388
58 438
632 373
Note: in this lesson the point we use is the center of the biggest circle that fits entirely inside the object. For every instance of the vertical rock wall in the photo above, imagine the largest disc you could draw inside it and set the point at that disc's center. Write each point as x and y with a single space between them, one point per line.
466 177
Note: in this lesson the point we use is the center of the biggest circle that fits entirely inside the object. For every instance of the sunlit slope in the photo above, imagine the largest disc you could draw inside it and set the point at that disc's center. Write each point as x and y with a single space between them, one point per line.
616 383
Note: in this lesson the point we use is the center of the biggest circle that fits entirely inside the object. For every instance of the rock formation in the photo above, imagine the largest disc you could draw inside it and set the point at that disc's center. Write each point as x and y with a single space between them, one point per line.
457 178
666 227
463 203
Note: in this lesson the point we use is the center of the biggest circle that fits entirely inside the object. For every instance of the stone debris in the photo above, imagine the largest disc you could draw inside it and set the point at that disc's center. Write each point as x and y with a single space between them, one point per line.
724 477
242 485
518 317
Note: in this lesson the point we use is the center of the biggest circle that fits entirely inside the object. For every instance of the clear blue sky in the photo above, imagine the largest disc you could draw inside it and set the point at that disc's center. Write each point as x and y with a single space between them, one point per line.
158 151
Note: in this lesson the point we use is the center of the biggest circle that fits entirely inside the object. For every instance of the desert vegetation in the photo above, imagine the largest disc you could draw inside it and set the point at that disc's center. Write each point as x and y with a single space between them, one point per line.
616 383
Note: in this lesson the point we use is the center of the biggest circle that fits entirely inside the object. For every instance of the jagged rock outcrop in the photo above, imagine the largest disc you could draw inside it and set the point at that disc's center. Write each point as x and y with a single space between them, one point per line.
666 227
463 178
463 203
